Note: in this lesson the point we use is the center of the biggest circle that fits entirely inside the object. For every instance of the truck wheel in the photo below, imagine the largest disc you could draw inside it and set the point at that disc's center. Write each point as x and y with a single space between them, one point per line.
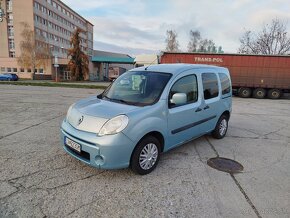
221 127
259 93
274 93
146 155
244 92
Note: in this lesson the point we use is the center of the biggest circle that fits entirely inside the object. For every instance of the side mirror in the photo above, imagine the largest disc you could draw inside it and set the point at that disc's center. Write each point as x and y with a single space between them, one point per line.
179 99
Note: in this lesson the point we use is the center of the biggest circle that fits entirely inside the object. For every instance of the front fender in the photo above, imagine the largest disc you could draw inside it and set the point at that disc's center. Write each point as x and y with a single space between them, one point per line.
139 129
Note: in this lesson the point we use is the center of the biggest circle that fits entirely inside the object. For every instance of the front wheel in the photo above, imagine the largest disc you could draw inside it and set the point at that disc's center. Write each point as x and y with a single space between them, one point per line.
221 127
146 155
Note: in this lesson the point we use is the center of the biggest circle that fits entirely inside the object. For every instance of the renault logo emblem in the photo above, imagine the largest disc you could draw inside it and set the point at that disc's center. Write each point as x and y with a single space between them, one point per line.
81 119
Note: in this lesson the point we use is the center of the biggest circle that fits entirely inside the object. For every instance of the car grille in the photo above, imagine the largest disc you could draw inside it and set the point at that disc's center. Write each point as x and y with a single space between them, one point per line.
83 154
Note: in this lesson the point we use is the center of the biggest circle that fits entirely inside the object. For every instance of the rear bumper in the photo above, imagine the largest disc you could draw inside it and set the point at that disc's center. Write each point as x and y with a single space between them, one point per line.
106 152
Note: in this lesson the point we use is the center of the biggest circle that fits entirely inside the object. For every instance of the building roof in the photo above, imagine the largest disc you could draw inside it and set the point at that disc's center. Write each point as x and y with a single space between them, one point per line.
60 1
111 57
104 59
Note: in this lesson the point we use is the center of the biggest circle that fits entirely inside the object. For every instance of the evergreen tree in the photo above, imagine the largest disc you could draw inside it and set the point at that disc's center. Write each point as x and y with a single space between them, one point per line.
79 61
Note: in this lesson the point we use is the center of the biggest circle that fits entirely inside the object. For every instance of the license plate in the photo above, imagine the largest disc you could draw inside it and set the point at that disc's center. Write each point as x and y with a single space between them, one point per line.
73 145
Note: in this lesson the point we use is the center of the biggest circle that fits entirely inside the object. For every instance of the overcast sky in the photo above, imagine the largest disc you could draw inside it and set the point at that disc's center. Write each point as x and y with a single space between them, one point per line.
139 26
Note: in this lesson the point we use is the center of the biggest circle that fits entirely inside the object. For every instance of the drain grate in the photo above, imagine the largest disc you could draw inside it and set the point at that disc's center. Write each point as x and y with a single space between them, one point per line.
225 165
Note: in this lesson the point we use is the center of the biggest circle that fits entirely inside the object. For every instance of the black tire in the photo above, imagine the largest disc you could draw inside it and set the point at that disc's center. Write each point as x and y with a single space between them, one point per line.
259 93
221 127
274 93
136 166
245 92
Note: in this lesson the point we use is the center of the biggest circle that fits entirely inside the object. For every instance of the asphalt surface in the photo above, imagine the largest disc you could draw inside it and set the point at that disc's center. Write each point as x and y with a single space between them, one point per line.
38 179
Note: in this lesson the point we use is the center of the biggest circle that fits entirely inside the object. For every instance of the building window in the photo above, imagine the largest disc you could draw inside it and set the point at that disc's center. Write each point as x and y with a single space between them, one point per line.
14 70
35 70
3 69
12 54
41 71
11 44
22 70
49 1
10 18
29 70
10 31
54 4
9 5
9 70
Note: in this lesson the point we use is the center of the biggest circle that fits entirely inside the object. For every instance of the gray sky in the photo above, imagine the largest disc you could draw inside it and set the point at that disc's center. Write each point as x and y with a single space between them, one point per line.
139 26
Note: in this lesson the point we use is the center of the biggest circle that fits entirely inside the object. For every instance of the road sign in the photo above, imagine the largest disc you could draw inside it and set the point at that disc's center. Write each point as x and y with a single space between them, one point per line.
56 65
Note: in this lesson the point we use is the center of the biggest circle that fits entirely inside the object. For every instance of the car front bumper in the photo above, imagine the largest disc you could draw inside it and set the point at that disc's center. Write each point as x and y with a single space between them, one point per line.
106 152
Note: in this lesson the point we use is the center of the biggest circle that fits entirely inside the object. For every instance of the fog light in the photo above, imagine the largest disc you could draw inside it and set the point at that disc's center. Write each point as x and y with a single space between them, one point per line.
99 160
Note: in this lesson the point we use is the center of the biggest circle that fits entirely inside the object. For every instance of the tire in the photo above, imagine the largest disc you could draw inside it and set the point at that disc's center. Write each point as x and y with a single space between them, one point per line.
274 93
144 161
259 93
221 127
245 92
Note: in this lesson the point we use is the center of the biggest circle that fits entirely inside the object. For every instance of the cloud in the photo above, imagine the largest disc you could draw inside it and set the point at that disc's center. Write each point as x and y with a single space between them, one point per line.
121 49
143 24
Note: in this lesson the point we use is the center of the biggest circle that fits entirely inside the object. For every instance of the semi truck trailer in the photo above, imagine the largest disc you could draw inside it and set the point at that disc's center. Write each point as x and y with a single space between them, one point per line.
257 76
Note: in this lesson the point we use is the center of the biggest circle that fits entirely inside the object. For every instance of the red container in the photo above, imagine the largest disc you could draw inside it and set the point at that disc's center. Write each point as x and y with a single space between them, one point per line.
259 74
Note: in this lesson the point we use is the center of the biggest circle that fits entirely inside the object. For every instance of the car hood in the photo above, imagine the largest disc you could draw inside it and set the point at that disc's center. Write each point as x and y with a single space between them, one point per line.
91 114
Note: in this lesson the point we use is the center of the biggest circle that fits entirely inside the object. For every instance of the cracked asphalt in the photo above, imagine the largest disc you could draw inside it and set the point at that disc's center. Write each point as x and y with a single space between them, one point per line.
38 179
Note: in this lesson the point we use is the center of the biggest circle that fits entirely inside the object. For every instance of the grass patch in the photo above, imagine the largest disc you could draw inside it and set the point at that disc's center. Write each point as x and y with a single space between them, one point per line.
50 84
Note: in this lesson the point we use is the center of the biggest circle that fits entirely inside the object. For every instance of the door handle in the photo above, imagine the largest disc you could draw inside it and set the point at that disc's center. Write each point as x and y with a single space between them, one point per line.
198 109
206 107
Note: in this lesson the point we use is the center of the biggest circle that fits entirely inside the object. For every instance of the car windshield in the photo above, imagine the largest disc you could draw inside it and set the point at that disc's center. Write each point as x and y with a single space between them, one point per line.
138 88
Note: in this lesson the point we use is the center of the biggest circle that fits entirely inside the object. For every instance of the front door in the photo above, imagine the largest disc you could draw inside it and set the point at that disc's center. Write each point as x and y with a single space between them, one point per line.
184 115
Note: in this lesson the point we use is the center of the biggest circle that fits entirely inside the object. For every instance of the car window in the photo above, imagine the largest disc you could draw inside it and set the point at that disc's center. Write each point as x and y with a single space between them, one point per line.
186 88
225 83
210 85
139 88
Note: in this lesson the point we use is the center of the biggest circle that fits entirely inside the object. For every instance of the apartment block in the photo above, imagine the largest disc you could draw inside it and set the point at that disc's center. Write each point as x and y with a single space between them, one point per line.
54 21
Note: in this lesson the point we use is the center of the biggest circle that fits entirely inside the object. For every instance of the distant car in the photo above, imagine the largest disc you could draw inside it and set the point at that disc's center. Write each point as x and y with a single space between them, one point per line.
4 77
147 111
13 76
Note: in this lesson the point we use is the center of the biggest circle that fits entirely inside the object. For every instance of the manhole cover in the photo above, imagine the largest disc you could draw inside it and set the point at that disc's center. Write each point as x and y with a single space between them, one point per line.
225 165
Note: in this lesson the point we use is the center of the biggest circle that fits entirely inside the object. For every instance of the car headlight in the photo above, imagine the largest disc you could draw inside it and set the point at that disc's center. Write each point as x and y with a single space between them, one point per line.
68 111
114 125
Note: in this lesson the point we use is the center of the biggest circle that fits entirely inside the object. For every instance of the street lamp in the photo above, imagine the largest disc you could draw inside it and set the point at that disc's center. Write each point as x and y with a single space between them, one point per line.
56 65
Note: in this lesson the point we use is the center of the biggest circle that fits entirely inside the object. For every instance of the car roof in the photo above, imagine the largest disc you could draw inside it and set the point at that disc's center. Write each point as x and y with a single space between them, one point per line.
175 68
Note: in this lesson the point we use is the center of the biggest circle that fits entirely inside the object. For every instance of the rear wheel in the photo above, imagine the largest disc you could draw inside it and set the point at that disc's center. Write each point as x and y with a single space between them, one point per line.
221 127
245 92
274 93
146 155
259 93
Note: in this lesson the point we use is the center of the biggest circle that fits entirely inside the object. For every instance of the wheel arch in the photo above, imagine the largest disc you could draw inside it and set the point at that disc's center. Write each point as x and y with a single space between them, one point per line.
226 113
157 135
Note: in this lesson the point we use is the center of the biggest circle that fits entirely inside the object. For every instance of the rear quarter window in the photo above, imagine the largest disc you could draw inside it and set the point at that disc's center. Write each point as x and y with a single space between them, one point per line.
210 85
225 83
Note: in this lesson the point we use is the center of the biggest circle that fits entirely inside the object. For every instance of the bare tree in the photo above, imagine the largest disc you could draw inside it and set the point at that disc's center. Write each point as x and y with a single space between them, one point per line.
272 39
171 41
195 38
198 44
35 51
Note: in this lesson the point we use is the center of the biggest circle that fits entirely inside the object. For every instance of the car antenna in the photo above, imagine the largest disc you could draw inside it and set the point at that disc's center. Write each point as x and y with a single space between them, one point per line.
153 62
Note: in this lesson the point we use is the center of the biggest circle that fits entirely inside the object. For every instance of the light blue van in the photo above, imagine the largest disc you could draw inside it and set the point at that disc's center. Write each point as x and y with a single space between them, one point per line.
147 111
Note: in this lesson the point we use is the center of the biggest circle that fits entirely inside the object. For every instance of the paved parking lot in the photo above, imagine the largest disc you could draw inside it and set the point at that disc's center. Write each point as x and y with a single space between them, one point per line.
38 179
